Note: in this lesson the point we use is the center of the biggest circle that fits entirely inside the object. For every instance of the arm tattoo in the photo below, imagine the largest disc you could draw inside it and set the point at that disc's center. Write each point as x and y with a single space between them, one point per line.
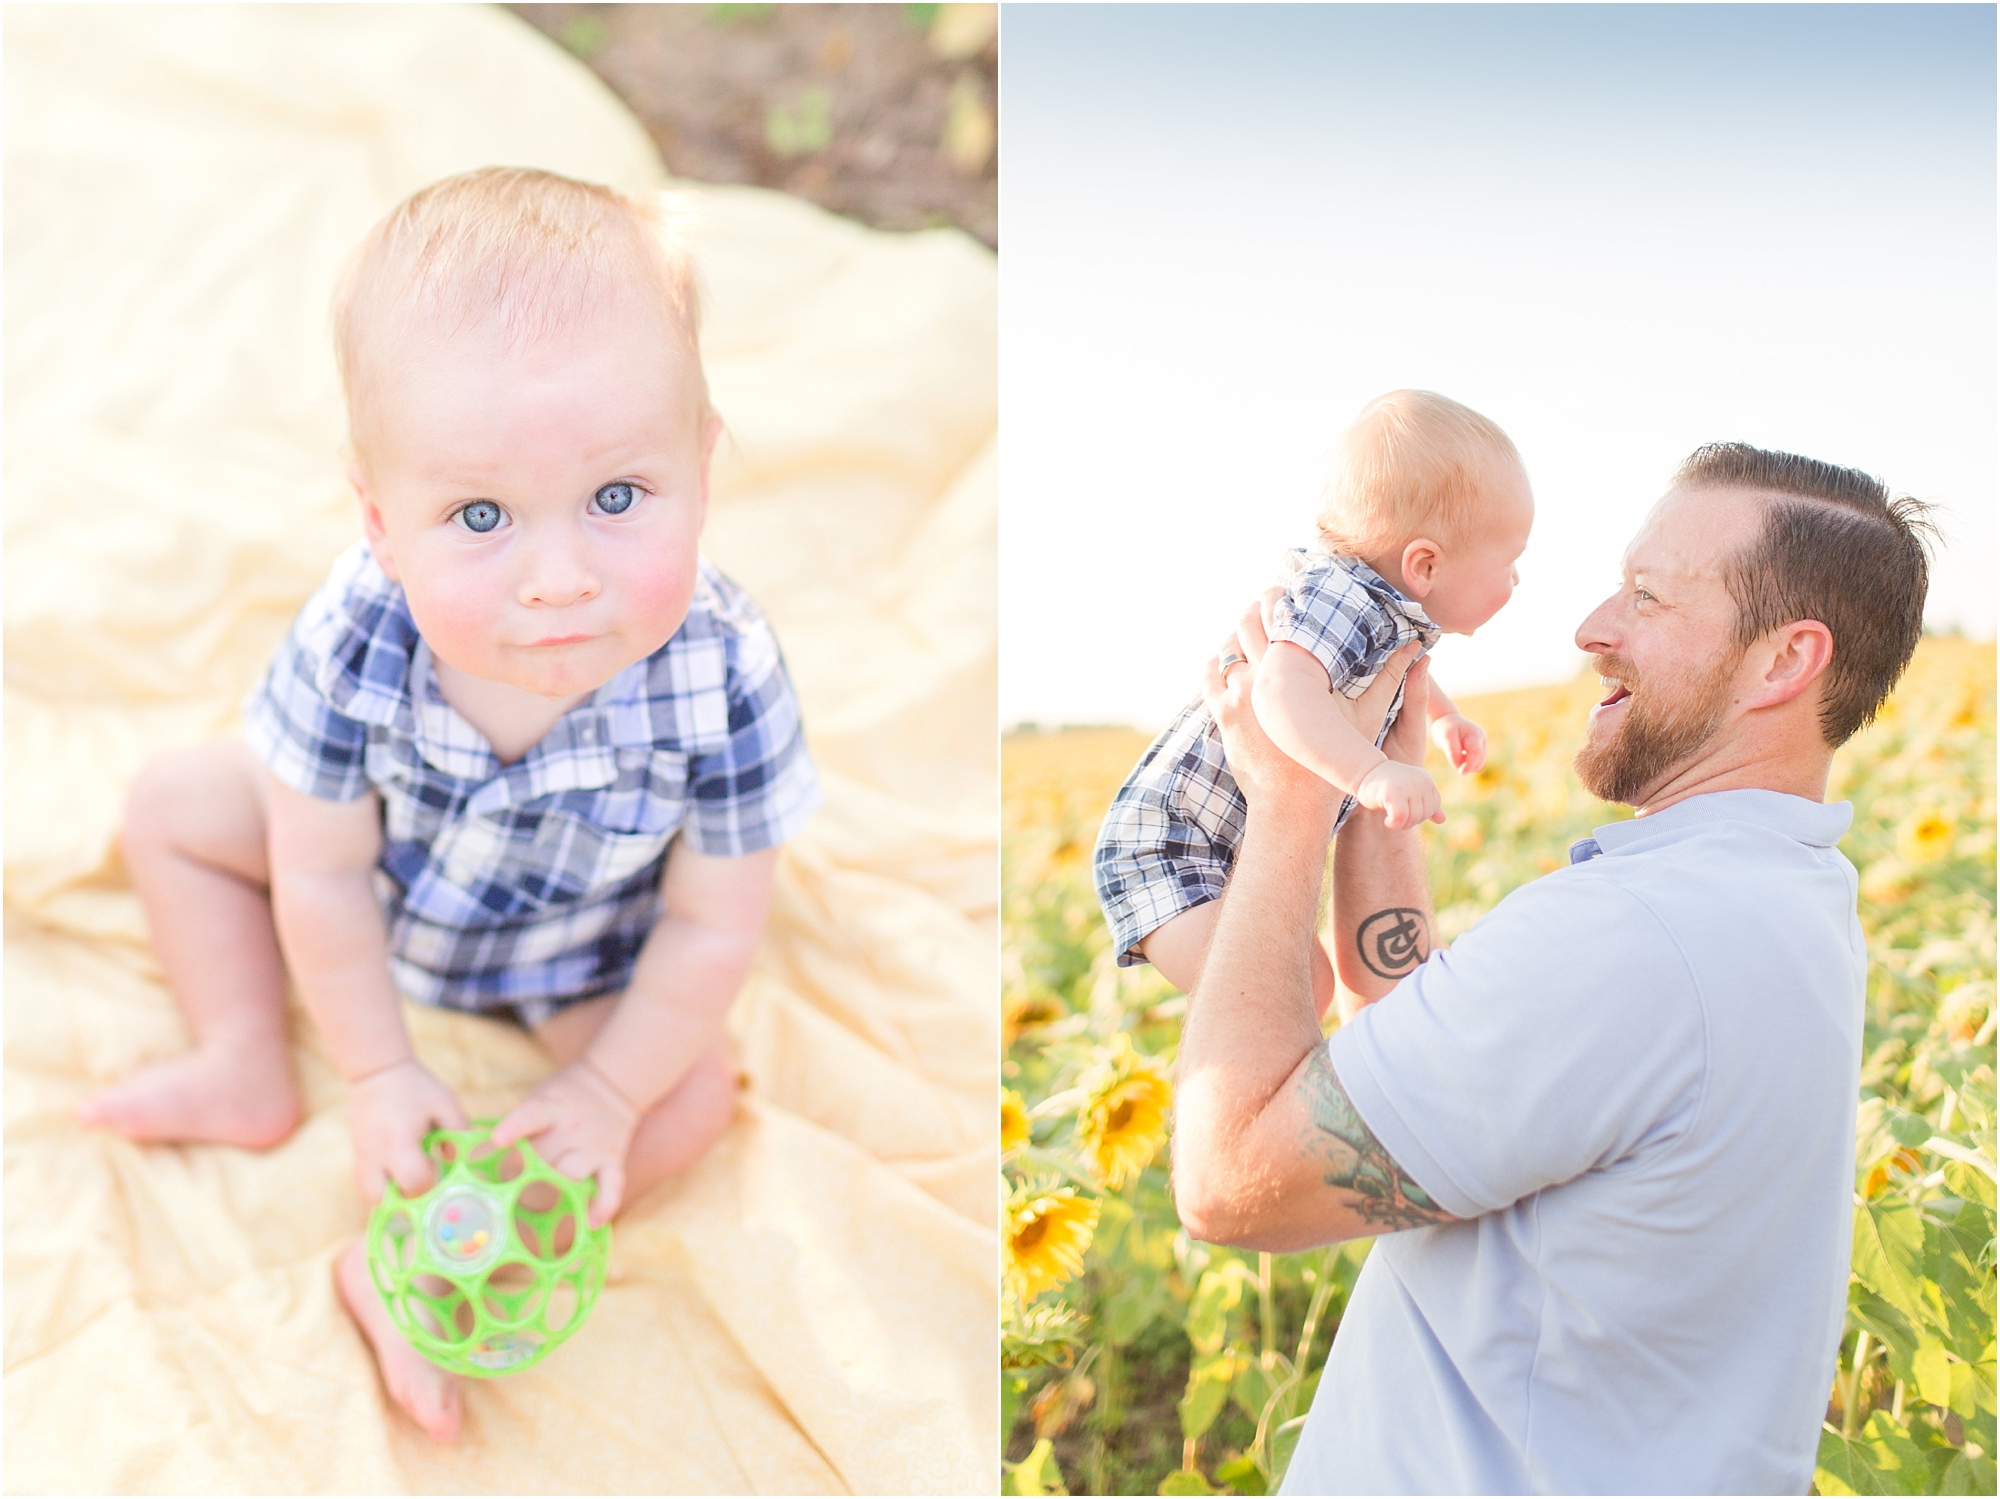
1351 1157
1393 941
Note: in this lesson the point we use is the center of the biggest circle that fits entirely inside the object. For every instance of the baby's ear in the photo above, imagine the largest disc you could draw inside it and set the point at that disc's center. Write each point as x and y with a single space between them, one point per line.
371 522
1420 565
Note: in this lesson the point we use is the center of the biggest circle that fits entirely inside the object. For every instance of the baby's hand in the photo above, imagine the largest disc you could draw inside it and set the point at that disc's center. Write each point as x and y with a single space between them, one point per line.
1462 740
582 1126
1402 793
388 1114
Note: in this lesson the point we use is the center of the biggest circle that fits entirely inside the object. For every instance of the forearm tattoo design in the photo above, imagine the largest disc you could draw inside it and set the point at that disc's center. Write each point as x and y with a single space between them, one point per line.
1393 942
1350 1157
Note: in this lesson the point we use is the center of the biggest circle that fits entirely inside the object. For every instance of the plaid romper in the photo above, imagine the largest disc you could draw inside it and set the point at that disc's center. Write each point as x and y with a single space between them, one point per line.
1170 837
526 887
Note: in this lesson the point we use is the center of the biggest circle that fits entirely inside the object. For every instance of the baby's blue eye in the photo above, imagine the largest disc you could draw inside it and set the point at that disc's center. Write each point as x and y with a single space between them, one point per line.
615 499
481 516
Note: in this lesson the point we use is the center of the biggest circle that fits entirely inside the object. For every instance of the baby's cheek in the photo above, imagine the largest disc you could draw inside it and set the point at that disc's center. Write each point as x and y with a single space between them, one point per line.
459 616
661 589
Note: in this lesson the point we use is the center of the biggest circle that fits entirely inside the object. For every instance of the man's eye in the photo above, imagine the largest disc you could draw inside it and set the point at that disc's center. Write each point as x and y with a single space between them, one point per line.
481 516
615 499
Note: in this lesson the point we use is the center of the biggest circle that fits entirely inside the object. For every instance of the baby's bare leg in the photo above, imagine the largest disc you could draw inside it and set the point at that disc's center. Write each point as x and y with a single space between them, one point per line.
678 1130
1177 948
430 1396
194 841
1178 945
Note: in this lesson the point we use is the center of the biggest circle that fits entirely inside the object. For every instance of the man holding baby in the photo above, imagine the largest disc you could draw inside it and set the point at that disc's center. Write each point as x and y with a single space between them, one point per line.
1606 1136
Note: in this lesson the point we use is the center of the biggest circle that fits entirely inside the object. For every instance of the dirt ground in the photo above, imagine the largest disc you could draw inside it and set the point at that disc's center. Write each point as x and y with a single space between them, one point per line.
884 113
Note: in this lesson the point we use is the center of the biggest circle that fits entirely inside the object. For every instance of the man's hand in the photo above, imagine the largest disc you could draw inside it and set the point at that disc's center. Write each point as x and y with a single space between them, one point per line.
581 1125
1403 794
388 1114
1259 766
1462 740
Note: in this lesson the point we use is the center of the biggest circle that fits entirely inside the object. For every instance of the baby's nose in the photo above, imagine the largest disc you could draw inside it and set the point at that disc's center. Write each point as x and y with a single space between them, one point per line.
558 574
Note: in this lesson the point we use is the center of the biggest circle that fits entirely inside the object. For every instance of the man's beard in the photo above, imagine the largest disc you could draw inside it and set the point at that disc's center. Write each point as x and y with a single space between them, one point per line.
1664 728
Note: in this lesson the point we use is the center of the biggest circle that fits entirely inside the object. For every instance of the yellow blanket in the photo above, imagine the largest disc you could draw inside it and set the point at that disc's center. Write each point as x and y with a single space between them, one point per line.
812 1307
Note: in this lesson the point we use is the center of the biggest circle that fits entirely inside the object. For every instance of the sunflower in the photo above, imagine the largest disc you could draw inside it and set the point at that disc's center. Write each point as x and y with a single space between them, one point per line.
1124 1117
1013 1120
1028 1012
1926 835
1046 1232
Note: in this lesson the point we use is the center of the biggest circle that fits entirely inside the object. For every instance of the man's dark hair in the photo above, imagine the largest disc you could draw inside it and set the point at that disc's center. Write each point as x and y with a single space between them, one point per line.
1837 547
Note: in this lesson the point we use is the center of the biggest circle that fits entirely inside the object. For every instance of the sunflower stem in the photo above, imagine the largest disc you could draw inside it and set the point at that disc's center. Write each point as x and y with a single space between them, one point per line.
1266 1307
1847 1404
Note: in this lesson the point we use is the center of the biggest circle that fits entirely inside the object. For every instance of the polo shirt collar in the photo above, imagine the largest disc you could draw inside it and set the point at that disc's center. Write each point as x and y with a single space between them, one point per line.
1815 824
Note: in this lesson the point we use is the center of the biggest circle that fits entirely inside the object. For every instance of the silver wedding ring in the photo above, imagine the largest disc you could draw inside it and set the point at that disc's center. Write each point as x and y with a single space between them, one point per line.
1232 659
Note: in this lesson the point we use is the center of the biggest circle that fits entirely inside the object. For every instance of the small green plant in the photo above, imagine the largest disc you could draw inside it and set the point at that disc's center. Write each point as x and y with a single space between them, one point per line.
802 127
585 36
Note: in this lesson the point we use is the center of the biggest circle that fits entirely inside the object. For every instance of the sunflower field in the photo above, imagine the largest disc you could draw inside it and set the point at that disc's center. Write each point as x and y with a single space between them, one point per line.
1138 1361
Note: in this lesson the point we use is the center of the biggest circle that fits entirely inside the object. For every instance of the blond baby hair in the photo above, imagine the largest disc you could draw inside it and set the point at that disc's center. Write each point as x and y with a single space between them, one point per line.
522 251
1412 464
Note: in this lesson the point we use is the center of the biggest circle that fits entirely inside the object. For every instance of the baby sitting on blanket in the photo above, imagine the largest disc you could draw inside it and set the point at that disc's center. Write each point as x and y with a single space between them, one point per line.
524 752
1427 510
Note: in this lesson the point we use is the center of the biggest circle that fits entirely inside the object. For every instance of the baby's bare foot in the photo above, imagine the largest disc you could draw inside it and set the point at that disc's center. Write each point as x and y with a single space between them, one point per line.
420 1387
229 1094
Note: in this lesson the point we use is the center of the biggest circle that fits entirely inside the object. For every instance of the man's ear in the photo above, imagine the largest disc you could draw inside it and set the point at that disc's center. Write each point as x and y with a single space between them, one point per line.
1420 566
371 522
1792 658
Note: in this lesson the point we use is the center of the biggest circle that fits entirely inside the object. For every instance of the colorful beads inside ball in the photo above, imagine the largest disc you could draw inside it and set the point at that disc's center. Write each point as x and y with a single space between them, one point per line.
496 1264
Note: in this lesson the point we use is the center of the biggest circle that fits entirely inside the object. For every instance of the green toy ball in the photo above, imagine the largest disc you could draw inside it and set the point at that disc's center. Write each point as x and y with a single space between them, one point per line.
496 1264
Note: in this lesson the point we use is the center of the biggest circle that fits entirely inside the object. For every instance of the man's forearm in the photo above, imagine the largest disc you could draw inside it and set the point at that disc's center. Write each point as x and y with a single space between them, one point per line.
1251 1018
1381 916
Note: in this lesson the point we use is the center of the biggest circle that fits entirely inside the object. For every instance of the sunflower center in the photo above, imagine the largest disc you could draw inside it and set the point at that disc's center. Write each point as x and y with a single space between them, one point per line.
1120 1117
1030 1235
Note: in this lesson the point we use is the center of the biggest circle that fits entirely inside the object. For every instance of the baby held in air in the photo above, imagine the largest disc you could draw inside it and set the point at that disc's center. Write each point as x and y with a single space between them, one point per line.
1427 510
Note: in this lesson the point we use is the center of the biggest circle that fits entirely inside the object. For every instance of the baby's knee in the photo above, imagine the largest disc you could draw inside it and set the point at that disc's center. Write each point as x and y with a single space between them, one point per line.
203 799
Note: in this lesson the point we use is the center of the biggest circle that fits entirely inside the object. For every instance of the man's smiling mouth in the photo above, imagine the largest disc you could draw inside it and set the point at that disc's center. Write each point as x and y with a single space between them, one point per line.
1618 693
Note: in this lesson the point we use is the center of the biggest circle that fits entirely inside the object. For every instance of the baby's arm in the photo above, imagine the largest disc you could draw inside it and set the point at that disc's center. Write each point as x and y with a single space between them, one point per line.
1292 697
1462 740
687 976
323 856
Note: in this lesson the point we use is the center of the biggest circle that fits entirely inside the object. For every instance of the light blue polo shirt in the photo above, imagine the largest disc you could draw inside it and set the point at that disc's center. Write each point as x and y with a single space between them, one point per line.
1635 1080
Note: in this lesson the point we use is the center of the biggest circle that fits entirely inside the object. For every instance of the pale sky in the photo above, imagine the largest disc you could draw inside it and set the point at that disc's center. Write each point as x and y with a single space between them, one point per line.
1619 231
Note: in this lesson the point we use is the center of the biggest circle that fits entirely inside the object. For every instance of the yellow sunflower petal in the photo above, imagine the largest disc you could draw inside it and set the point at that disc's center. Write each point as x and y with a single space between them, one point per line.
1013 1120
1123 1121
1044 1238
1925 836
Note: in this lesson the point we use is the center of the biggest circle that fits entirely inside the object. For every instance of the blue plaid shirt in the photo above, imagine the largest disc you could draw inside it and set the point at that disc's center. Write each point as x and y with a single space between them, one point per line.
1171 835
529 886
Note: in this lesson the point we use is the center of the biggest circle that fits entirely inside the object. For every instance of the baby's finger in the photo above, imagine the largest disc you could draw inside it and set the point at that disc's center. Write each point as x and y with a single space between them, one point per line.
449 1113
528 1117
610 1194
410 1168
